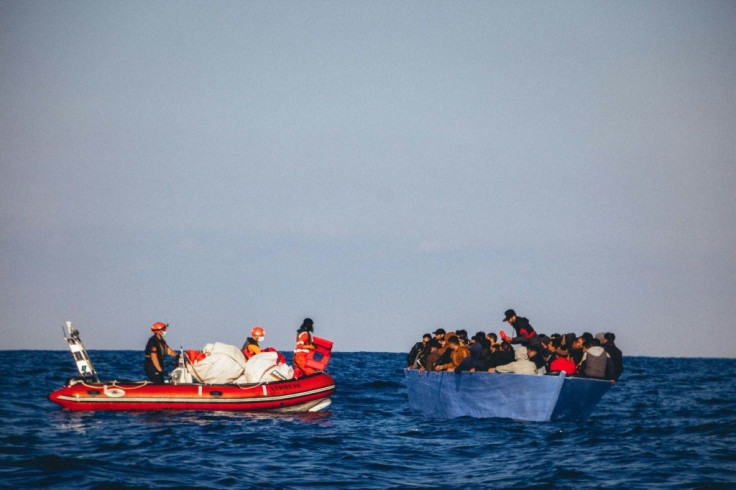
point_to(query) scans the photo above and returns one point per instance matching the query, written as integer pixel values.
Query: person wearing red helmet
(251, 346)
(156, 349)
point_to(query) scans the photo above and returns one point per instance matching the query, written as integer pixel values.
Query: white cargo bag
(265, 367)
(224, 364)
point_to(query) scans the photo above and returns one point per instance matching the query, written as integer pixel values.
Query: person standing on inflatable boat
(156, 349)
(303, 345)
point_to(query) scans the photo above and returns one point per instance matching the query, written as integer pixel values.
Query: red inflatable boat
(311, 393)
(86, 392)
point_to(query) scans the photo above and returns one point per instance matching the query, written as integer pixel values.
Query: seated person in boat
(156, 350)
(501, 353)
(549, 346)
(567, 340)
(534, 351)
(521, 364)
(562, 362)
(576, 350)
(418, 355)
(480, 355)
(458, 352)
(440, 336)
(614, 352)
(433, 356)
(444, 352)
(538, 353)
(252, 345)
(596, 362)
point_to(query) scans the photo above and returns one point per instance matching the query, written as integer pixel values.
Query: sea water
(668, 422)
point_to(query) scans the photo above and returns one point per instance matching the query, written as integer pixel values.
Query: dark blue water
(669, 422)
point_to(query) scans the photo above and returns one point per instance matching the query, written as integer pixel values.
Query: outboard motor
(180, 374)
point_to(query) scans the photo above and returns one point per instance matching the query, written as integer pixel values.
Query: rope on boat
(114, 383)
(244, 387)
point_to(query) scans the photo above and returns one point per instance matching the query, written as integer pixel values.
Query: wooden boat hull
(311, 393)
(515, 396)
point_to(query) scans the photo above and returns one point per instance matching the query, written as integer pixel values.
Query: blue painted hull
(515, 396)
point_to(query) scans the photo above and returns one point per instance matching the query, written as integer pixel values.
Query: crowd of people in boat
(527, 352)
(157, 349)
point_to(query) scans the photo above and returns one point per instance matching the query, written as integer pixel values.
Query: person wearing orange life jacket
(156, 350)
(251, 346)
(303, 346)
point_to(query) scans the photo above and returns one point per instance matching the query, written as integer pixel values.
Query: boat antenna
(79, 353)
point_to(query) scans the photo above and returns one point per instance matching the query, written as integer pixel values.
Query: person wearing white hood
(521, 365)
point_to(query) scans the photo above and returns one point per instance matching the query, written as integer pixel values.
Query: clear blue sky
(386, 168)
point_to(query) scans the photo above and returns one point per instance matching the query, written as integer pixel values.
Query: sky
(385, 168)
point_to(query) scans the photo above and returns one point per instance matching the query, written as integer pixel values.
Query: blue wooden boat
(446, 394)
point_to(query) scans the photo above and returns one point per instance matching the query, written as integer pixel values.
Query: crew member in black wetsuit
(156, 349)
(525, 334)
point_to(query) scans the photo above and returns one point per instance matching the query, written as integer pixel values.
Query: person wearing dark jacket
(458, 352)
(432, 357)
(480, 355)
(524, 331)
(596, 362)
(156, 351)
(418, 355)
(444, 351)
(576, 350)
(535, 355)
(501, 354)
(617, 357)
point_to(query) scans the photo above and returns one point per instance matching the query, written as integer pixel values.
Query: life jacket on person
(251, 348)
(303, 346)
(303, 342)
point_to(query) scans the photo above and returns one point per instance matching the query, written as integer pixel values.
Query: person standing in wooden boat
(156, 350)
(525, 333)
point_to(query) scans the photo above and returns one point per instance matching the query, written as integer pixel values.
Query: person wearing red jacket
(563, 362)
